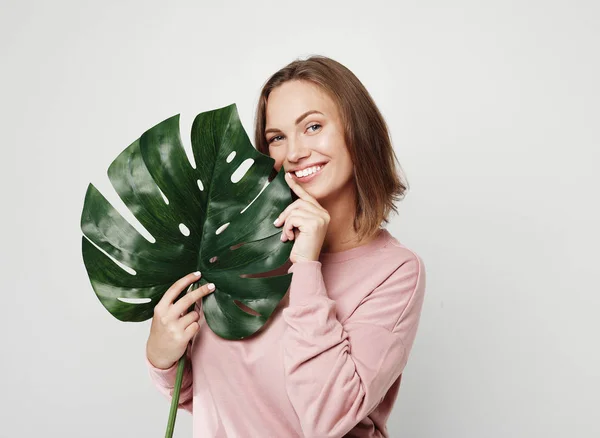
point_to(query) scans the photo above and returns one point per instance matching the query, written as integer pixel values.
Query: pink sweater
(329, 361)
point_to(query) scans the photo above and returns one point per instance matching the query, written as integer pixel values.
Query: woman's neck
(341, 235)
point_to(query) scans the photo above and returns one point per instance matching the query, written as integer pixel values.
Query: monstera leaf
(216, 218)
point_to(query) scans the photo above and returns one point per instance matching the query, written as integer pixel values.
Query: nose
(297, 150)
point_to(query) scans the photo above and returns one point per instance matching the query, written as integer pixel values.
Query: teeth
(309, 171)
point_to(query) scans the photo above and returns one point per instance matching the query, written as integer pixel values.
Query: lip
(318, 163)
(308, 178)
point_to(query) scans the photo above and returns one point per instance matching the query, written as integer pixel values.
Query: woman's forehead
(294, 98)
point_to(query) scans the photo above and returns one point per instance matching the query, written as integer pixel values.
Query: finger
(187, 302)
(297, 204)
(297, 219)
(187, 319)
(297, 188)
(281, 218)
(191, 330)
(190, 298)
(291, 221)
(175, 290)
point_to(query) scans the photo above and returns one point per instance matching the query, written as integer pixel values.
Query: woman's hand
(172, 326)
(305, 221)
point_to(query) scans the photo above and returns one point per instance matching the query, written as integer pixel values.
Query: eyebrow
(298, 120)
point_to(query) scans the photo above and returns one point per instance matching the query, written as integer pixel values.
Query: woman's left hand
(304, 221)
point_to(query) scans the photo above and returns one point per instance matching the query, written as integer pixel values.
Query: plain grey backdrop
(494, 110)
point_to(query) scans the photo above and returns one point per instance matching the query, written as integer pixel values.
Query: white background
(494, 110)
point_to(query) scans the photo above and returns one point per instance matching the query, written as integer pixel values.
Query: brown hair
(366, 135)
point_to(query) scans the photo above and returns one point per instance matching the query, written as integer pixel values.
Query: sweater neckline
(379, 241)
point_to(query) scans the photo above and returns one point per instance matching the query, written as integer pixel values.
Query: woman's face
(304, 130)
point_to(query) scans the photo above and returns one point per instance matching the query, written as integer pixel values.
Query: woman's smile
(309, 174)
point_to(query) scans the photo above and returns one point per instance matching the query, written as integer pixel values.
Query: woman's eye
(275, 138)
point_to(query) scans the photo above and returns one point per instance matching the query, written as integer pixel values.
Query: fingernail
(288, 175)
(211, 286)
(197, 273)
(276, 221)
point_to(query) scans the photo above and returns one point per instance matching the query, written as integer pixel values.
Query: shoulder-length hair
(378, 181)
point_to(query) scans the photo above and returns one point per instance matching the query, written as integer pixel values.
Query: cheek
(276, 155)
(273, 153)
(349, 163)
(340, 151)
(346, 167)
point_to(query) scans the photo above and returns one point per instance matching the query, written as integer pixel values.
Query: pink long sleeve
(336, 373)
(328, 363)
(164, 380)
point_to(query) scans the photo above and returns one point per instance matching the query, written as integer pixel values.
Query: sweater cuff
(165, 376)
(307, 283)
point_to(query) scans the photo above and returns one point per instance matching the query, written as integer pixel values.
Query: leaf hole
(242, 170)
(246, 308)
(117, 203)
(163, 196)
(262, 190)
(184, 230)
(200, 186)
(121, 265)
(134, 300)
(213, 259)
(234, 247)
(230, 157)
(185, 125)
(222, 228)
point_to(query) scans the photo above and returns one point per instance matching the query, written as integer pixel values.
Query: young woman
(330, 359)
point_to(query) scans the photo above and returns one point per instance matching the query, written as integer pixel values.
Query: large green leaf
(209, 218)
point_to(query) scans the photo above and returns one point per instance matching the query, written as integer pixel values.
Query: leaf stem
(178, 377)
(175, 399)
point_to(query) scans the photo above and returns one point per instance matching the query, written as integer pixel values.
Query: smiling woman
(316, 111)
(330, 361)
(312, 146)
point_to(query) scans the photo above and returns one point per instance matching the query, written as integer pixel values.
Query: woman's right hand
(172, 326)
